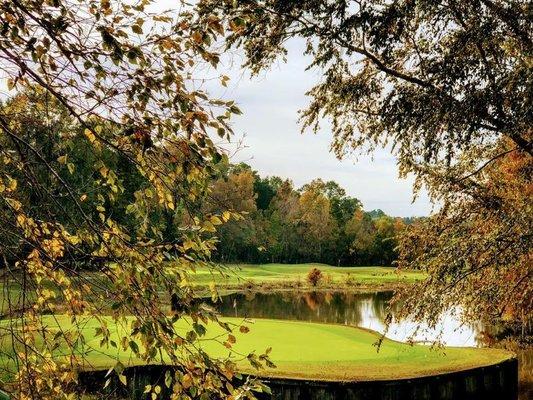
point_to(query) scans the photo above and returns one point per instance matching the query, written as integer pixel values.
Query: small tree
(314, 277)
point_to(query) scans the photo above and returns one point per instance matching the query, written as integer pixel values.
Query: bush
(349, 279)
(314, 276)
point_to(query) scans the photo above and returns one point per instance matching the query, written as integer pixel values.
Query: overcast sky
(273, 144)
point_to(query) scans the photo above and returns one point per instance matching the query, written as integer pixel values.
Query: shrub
(349, 279)
(314, 276)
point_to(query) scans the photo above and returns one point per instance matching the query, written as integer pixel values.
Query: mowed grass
(240, 276)
(303, 350)
(272, 274)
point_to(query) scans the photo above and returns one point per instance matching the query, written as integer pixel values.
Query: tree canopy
(447, 86)
(105, 139)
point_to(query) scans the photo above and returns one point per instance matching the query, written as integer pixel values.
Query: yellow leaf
(20, 219)
(74, 240)
(186, 382)
(14, 203)
(209, 227)
(123, 379)
(215, 220)
(89, 135)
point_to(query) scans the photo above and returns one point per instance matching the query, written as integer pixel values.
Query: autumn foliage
(314, 277)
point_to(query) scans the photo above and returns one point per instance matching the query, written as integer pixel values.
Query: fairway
(308, 351)
(291, 274)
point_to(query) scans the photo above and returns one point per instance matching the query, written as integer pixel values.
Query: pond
(366, 310)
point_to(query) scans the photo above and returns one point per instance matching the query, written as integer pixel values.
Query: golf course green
(300, 350)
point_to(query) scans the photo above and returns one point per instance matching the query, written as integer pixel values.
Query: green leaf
(119, 368)
(134, 346)
(168, 379)
(199, 329)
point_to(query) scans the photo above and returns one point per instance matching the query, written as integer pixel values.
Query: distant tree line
(267, 218)
(318, 222)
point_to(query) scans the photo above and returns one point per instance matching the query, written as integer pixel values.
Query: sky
(271, 140)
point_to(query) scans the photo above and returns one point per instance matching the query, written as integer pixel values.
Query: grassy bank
(294, 276)
(263, 276)
(305, 350)
(260, 277)
(336, 352)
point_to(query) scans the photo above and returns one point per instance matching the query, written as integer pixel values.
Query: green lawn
(310, 350)
(291, 274)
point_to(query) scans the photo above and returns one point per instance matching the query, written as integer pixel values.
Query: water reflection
(366, 310)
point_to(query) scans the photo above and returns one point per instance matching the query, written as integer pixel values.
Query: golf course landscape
(300, 350)
(266, 200)
(236, 277)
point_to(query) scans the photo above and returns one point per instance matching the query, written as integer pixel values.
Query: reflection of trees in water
(343, 308)
(311, 300)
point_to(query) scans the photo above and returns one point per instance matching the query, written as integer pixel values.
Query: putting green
(306, 351)
(336, 352)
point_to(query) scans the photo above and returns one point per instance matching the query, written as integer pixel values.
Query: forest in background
(318, 222)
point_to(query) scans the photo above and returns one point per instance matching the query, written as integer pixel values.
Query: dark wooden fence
(494, 382)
